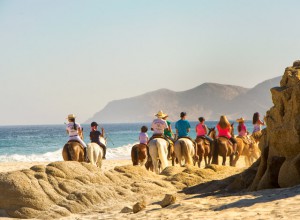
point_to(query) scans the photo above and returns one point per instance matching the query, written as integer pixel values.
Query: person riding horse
(74, 130)
(158, 126)
(183, 127)
(95, 136)
(225, 130)
(202, 130)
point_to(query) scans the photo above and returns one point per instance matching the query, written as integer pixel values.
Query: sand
(265, 204)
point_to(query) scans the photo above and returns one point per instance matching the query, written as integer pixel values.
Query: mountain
(209, 100)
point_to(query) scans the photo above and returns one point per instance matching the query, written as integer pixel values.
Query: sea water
(45, 142)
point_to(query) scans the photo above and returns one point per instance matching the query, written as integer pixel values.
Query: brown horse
(204, 149)
(139, 154)
(74, 151)
(224, 148)
(248, 147)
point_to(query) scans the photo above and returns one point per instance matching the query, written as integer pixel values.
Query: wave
(121, 153)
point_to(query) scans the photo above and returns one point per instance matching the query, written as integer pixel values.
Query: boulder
(280, 164)
(168, 200)
(139, 206)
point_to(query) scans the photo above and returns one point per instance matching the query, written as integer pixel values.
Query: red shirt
(224, 132)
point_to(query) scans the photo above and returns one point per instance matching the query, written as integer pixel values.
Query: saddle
(206, 142)
(193, 141)
(228, 141)
(246, 140)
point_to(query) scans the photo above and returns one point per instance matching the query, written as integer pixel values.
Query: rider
(202, 131)
(95, 136)
(257, 123)
(143, 136)
(242, 129)
(168, 132)
(74, 130)
(224, 130)
(158, 126)
(243, 132)
(183, 127)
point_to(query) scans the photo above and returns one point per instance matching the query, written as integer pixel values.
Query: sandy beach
(265, 204)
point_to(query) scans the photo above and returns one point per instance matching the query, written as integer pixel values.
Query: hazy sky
(59, 57)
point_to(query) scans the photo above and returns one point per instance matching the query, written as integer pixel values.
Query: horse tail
(135, 155)
(66, 153)
(185, 153)
(70, 151)
(215, 152)
(162, 155)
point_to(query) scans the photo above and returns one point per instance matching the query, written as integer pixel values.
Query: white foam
(123, 152)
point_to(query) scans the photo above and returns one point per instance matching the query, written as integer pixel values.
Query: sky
(61, 57)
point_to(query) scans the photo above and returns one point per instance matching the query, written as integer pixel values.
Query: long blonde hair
(224, 123)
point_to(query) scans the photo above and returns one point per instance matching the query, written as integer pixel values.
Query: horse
(204, 149)
(139, 154)
(224, 148)
(158, 150)
(184, 149)
(73, 150)
(95, 152)
(248, 148)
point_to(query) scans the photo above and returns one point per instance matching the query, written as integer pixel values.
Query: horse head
(212, 133)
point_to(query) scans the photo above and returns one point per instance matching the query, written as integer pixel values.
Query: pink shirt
(201, 129)
(143, 138)
(224, 132)
(243, 131)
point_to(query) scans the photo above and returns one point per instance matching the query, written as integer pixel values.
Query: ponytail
(75, 127)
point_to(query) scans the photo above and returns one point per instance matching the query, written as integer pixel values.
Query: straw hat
(240, 120)
(71, 116)
(160, 114)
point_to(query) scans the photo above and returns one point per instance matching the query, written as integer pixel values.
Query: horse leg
(99, 160)
(231, 160)
(224, 160)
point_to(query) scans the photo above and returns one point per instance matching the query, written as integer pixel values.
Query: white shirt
(71, 130)
(159, 125)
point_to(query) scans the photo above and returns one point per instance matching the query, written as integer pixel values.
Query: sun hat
(71, 116)
(94, 124)
(160, 114)
(240, 120)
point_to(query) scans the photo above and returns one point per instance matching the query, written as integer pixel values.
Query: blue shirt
(182, 126)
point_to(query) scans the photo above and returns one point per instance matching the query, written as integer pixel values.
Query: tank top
(243, 131)
(256, 127)
(201, 129)
(224, 132)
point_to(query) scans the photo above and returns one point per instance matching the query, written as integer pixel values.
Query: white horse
(184, 149)
(95, 152)
(158, 150)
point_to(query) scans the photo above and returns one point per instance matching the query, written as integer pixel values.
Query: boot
(104, 153)
(235, 153)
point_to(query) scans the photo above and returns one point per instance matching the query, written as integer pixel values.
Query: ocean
(45, 142)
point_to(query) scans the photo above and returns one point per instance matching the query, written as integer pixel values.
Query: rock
(67, 187)
(280, 165)
(168, 200)
(126, 210)
(296, 63)
(139, 206)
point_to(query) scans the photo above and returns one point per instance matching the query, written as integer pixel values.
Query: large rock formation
(280, 143)
(62, 188)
